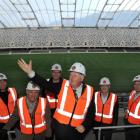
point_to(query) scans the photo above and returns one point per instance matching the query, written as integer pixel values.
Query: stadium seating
(69, 38)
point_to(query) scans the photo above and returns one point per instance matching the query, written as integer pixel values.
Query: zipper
(8, 108)
(102, 113)
(76, 104)
(104, 105)
(32, 126)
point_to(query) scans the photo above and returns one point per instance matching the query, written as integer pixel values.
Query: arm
(42, 82)
(27, 68)
(115, 113)
(13, 120)
(89, 120)
(48, 121)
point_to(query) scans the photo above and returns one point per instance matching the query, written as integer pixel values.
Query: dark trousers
(66, 132)
(52, 137)
(132, 134)
(105, 134)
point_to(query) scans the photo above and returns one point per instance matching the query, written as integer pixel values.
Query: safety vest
(7, 110)
(51, 98)
(104, 112)
(25, 119)
(69, 110)
(133, 111)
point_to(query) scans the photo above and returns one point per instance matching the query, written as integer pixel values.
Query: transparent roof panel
(69, 13)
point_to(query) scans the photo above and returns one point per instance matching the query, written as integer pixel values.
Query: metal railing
(121, 127)
(9, 134)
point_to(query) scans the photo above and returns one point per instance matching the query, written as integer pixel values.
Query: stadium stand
(69, 38)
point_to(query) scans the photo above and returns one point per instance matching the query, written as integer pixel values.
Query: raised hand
(26, 67)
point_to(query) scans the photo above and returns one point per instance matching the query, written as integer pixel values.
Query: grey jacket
(15, 118)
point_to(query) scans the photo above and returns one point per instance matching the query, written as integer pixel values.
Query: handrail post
(9, 136)
(99, 134)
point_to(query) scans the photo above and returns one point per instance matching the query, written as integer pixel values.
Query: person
(8, 98)
(69, 120)
(51, 86)
(34, 115)
(132, 116)
(106, 109)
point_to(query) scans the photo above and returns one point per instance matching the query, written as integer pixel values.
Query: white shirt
(136, 96)
(78, 90)
(104, 97)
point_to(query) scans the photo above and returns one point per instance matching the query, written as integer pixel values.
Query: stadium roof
(69, 13)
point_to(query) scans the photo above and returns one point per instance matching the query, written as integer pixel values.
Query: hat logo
(73, 67)
(104, 81)
(56, 67)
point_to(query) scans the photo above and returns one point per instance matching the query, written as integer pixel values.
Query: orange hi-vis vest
(7, 110)
(69, 110)
(52, 100)
(104, 112)
(25, 119)
(133, 111)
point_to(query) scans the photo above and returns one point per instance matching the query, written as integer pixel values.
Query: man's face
(56, 74)
(75, 79)
(105, 88)
(32, 95)
(137, 86)
(3, 84)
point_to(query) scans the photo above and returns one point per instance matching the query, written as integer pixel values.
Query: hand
(80, 128)
(27, 68)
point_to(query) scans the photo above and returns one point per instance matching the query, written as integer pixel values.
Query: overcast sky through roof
(77, 13)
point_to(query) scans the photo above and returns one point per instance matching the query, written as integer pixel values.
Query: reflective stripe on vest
(133, 111)
(6, 109)
(105, 117)
(52, 102)
(63, 113)
(26, 125)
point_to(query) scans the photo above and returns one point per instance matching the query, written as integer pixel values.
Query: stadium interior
(102, 34)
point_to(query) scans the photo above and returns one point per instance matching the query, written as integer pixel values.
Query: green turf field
(120, 68)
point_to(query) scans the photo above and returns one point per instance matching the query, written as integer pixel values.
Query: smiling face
(137, 86)
(3, 85)
(105, 89)
(75, 79)
(56, 74)
(32, 95)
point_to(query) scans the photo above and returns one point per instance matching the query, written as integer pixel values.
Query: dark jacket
(4, 97)
(56, 89)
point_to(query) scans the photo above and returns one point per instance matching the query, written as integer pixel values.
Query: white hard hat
(136, 78)
(56, 67)
(3, 76)
(78, 67)
(104, 81)
(32, 86)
